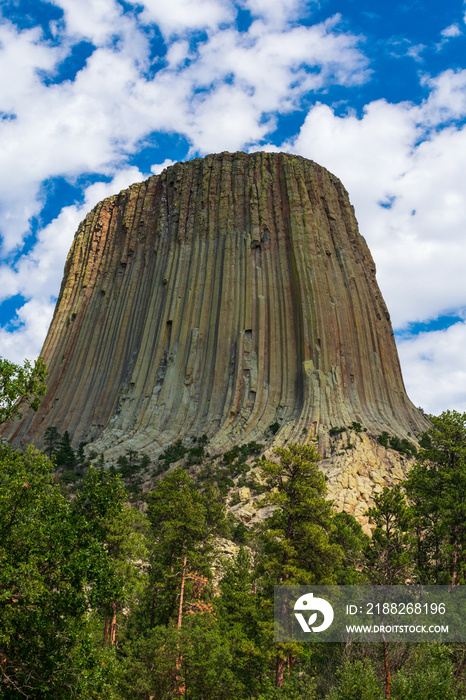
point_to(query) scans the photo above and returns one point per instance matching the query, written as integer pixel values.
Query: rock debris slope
(227, 294)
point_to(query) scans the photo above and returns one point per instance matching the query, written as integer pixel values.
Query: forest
(109, 591)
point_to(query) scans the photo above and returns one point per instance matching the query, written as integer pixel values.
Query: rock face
(225, 295)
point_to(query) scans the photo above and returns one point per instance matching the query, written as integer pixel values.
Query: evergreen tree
(131, 463)
(241, 620)
(356, 681)
(64, 455)
(436, 487)
(295, 538)
(348, 534)
(429, 675)
(388, 555)
(52, 439)
(183, 523)
(81, 460)
(177, 516)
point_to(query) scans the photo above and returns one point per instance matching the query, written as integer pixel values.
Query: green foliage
(336, 431)
(52, 439)
(20, 386)
(235, 466)
(240, 615)
(59, 449)
(295, 546)
(295, 538)
(197, 454)
(388, 556)
(240, 533)
(436, 486)
(70, 568)
(399, 444)
(64, 454)
(295, 687)
(354, 426)
(235, 499)
(129, 466)
(273, 428)
(183, 523)
(173, 453)
(348, 534)
(54, 565)
(357, 681)
(194, 662)
(239, 453)
(383, 439)
(428, 676)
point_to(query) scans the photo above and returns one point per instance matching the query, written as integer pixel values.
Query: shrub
(336, 431)
(428, 677)
(357, 681)
(173, 453)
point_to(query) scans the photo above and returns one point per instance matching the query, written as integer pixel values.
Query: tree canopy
(20, 386)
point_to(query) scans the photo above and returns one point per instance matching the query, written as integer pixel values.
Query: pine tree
(295, 538)
(240, 618)
(388, 556)
(436, 486)
(182, 529)
(64, 455)
(348, 534)
(52, 439)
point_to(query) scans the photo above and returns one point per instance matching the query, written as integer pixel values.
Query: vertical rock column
(224, 295)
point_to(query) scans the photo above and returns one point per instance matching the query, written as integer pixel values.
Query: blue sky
(97, 94)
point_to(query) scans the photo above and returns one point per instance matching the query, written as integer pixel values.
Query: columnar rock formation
(227, 294)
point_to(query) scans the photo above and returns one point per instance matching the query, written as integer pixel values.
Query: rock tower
(223, 296)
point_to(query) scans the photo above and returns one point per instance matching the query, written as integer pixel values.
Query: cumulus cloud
(27, 340)
(276, 11)
(157, 168)
(178, 16)
(95, 20)
(451, 31)
(434, 366)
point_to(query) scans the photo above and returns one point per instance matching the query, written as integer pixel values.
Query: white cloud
(451, 31)
(157, 168)
(94, 20)
(434, 365)
(178, 16)
(447, 99)
(22, 55)
(27, 340)
(276, 12)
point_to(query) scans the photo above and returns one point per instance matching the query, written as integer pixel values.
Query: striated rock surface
(225, 295)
